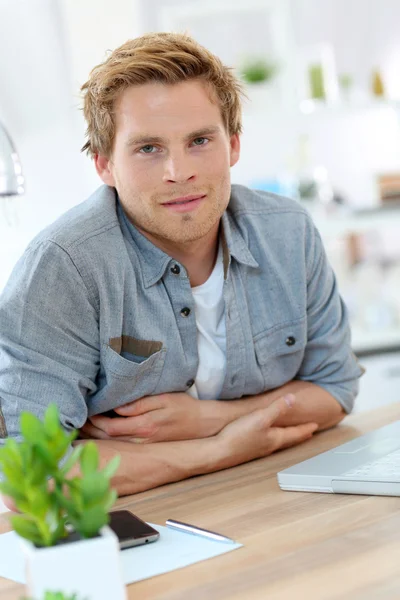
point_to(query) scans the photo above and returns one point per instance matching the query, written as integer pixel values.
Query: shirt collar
(154, 261)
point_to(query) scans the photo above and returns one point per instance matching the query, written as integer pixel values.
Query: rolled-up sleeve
(49, 340)
(329, 360)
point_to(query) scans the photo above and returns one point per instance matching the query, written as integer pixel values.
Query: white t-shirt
(211, 334)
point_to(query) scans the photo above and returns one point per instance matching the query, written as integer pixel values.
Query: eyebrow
(153, 139)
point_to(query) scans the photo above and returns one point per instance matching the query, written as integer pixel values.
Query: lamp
(12, 181)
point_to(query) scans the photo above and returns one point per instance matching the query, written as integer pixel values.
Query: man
(202, 317)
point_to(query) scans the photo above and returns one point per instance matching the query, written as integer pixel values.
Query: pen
(185, 527)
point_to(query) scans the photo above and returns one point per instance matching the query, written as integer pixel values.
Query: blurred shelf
(261, 103)
(343, 108)
(375, 341)
(336, 225)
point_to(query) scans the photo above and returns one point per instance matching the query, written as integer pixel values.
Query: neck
(198, 261)
(198, 256)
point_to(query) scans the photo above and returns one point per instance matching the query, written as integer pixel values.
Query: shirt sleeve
(49, 340)
(329, 360)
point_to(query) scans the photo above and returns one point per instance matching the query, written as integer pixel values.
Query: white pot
(90, 568)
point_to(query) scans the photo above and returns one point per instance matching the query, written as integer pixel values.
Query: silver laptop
(370, 464)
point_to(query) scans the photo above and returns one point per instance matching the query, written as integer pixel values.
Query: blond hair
(168, 58)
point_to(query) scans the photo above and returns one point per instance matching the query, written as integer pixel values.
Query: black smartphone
(130, 530)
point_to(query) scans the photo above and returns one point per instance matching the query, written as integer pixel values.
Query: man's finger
(291, 436)
(8, 503)
(140, 426)
(267, 416)
(140, 406)
(89, 431)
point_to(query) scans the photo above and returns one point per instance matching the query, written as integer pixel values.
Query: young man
(202, 316)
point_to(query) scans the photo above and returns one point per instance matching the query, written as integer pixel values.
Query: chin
(194, 232)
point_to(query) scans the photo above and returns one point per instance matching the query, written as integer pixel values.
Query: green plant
(345, 81)
(57, 596)
(257, 70)
(50, 499)
(317, 82)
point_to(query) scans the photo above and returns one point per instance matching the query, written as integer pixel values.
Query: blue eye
(200, 141)
(148, 149)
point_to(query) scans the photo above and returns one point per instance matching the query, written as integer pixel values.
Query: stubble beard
(181, 228)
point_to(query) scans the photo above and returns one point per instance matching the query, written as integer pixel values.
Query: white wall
(47, 48)
(93, 27)
(354, 146)
(40, 113)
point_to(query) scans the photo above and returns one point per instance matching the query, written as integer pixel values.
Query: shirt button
(185, 312)
(175, 269)
(290, 341)
(190, 383)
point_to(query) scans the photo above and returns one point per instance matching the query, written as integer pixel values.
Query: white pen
(185, 527)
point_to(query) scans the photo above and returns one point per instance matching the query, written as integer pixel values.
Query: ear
(104, 169)
(235, 149)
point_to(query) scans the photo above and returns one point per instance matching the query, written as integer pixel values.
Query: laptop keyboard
(387, 466)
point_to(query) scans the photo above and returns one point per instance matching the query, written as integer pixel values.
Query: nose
(179, 168)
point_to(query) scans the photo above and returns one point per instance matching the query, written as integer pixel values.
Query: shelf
(375, 340)
(261, 101)
(311, 107)
(339, 225)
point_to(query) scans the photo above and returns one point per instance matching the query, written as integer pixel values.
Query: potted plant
(258, 70)
(58, 596)
(63, 522)
(258, 74)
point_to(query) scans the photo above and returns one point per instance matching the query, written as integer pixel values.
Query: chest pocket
(280, 353)
(130, 369)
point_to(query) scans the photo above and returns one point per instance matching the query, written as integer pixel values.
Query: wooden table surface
(296, 545)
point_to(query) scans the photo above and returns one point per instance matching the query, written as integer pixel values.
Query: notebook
(369, 464)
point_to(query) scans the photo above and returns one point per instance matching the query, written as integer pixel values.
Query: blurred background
(321, 125)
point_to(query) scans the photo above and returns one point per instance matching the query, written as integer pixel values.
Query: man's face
(171, 161)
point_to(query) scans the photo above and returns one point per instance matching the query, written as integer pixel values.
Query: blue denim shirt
(94, 315)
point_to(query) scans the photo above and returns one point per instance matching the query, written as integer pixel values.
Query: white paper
(172, 551)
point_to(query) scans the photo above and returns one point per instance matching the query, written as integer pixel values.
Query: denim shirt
(94, 315)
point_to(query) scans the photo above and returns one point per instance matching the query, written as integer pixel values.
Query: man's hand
(145, 466)
(8, 503)
(254, 435)
(178, 416)
(160, 418)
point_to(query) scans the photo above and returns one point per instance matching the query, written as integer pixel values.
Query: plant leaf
(31, 427)
(51, 422)
(93, 487)
(27, 529)
(91, 521)
(8, 489)
(72, 459)
(89, 460)
(46, 457)
(110, 500)
(112, 466)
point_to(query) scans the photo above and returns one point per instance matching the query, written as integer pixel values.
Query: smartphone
(130, 530)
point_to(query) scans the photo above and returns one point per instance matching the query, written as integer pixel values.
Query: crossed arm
(195, 437)
(145, 466)
(170, 437)
(178, 416)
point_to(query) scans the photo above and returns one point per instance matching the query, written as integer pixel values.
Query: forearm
(147, 466)
(313, 405)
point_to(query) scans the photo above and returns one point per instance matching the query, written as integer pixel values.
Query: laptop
(369, 464)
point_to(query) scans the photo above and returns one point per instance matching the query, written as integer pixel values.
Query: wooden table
(296, 545)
